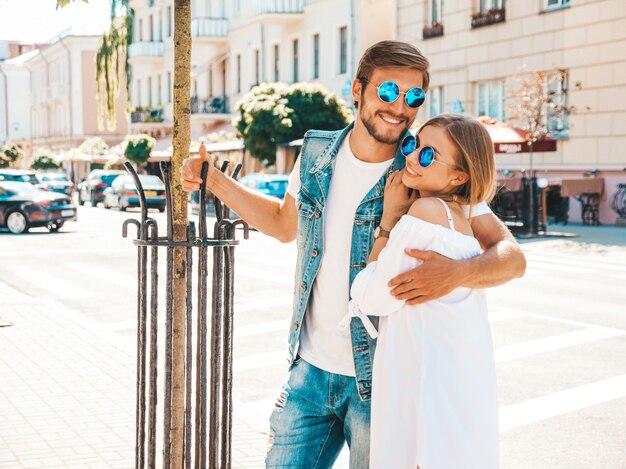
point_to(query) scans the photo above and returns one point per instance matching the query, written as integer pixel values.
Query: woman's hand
(397, 200)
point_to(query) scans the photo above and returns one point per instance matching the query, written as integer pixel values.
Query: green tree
(274, 113)
(138, 147)
(10, 154)
(44, 162)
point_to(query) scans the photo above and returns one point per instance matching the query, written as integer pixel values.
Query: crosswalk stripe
(53, 284)
(549, 344)
(260, 360)
(106, 275)
(562, 402)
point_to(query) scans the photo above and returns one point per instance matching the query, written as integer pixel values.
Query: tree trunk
(181, 140)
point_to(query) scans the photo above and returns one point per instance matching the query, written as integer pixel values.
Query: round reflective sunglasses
(426, 155)
(389, 91)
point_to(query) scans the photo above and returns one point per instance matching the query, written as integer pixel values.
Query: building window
(160, 26)
(169, 87)
(316, 56)
(238, 62)
(490, 99)
(159, 90)
(150, 91)
(276, 62)
(555, 4)
(151, 28)
(140, 31)
(169, 21)
(211, 81)
(434, 11)
(485, 5)
(138, 100)
(343, 50)
(436, 102)
(237, 7)
(257, 66)
(295, 60)
(557, 115)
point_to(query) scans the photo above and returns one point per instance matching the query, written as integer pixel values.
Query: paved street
(559, 333)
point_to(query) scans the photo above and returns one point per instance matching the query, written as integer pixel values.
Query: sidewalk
(67, 392)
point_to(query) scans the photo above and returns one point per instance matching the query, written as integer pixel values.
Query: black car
(56, 182)
(123, 194)
(92, 188)
(23, 206)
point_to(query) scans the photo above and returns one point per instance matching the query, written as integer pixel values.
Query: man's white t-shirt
(322, 343)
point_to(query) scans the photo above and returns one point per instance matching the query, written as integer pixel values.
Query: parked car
(19, 175)
(92, 188)
(56, 182)
(123, 193)
(270, 184)
(23, 206)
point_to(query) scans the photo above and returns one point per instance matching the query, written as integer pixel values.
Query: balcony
(145, 50)
(146, 114)
(209, 28)
(485, 18)
(286, 10)
(434, 30)
(209, 106)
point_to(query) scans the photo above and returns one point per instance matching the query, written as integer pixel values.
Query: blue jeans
(315, 413)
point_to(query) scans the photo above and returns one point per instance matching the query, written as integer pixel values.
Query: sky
(38, 21)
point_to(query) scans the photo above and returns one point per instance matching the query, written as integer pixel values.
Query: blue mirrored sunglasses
(389, 91)
(426, 155)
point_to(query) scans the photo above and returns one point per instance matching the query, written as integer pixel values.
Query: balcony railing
(434, 30)
(145, 49)
(209, 27)
(485, 18)
(261, 7)
(146, 114)
(209, 106)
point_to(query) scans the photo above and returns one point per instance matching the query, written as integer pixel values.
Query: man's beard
(369, 124)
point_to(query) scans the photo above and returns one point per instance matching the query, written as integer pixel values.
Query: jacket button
(303, 286)
(296, 324)
(314, 252)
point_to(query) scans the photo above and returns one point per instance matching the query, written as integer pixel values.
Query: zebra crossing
(263, 302)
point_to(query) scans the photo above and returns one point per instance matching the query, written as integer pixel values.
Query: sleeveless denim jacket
(318, 156)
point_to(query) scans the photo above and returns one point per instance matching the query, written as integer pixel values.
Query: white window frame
(339, 50)
(439, 107)
(486, 93)
(315, 73)
(560, 128)
(556, 5)
(432, 6)
(485, 5)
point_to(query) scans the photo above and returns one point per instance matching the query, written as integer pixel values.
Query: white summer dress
(434, 397)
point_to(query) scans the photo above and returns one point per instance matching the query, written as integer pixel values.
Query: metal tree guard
(218, 429)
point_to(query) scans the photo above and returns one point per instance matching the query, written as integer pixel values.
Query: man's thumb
(203, 153)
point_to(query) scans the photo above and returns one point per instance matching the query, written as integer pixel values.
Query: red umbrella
(509, 139)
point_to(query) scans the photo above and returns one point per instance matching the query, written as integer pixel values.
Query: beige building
(238, 44)
(63, 95)
(478, 47)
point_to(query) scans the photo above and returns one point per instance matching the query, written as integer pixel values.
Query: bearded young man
(333, 207)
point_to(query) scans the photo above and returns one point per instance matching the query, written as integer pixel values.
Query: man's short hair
(392, 54)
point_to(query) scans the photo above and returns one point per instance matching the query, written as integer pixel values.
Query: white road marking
(260, 360)
(284, 301)
(499, 315)
(106, 275)
(542, 265)
(556, 342)
(262, 328)
(562, 402)
(53, 284)
(264, 275)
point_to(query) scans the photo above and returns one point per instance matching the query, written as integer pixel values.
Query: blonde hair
(475, 156)
(392, 54)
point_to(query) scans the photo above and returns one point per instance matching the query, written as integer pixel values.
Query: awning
(205, 66)
(511, 140)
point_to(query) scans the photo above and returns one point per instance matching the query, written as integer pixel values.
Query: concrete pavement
(67, 392)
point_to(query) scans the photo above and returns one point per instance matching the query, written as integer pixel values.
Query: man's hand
(435, 277)
(191, 169)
